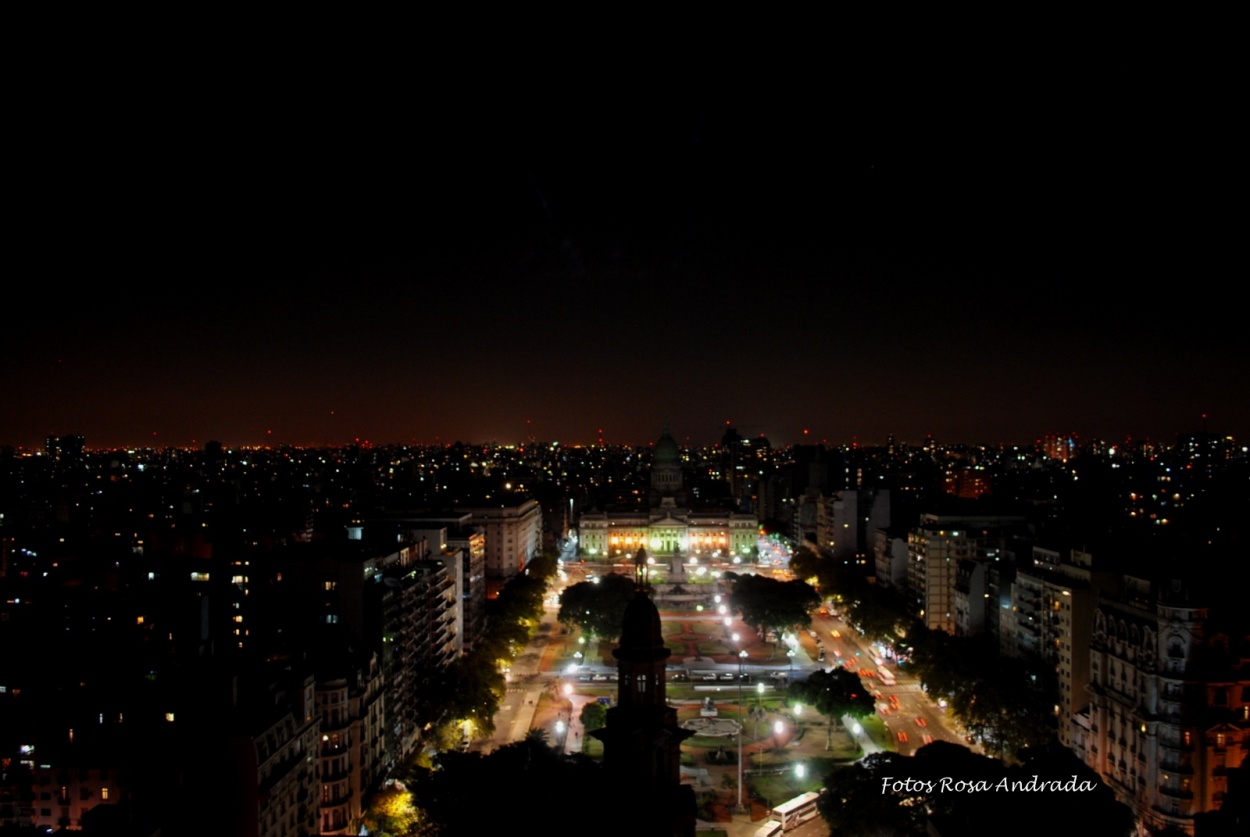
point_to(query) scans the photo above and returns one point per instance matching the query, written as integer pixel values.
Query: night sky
(421, 251)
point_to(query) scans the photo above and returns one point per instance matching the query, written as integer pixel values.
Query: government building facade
(668, 527)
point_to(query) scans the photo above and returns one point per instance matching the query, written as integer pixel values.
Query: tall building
(934, 550)
(274, 750)
(1169, 703)
(846, 521)
(456, 540)
(390, 598)
(1052, 616)
(513, 531)
(889, 550)
(352, 755)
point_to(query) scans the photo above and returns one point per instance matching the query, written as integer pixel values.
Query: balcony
(335, 772)
(329, 725)
(1176, 767)
(1179, 746)
(1175, 793)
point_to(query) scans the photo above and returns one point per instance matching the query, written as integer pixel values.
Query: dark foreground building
(642, 742)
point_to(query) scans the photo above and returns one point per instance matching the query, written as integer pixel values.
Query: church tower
(642, 742)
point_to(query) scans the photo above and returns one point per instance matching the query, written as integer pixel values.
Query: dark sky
(421, 251)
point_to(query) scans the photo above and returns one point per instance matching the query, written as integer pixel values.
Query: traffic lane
(914, 703)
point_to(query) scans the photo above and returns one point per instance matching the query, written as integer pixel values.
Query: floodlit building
(934, 550)
(667, 527)
(513, 532)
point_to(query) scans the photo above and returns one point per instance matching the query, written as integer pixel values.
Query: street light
(742, 655)
(567, 689)
(757, 714)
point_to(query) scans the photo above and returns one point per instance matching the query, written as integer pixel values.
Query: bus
(797, 811)
(771, 828)
(887, 679)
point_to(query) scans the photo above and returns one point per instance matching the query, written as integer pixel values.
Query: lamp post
(742, 655)
(568, 695)
(757, 714)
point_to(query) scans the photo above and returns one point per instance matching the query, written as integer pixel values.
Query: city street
(543, 695)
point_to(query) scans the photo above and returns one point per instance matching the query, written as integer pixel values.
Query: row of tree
(470, 689)
(597, 607)
(473, 685)
(1006, 703)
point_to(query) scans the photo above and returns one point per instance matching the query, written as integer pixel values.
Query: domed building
(669, 526)
(666, 482)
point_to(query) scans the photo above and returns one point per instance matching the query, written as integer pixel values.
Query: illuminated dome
(665, 452)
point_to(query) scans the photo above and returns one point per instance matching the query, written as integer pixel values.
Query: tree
(471, 793)
(833, 694)
(855, 805)
(598, 608)
(772, 605)
(470, 688)
(391, 812)
(474, 686)
(1004, 702)
(807, 564)
(594, 716)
